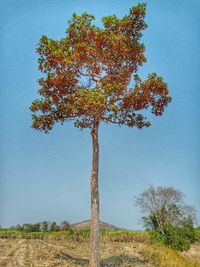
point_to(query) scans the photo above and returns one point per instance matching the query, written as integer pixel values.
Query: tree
(164, 206)
(18, 227)
(91, 77)
(171, 220)
(35, 227)
(54, 227)
(65, 225)
(27, 227)
(44, 226)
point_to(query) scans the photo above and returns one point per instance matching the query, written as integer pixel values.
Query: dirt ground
(49, 253)
(41, 253)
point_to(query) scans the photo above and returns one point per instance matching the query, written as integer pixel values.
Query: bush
(188, 230)
(176, 237)
(197, 234)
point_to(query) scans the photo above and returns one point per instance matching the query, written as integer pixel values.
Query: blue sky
(46, 177)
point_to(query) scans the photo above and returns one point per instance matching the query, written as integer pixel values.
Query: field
(117, 249)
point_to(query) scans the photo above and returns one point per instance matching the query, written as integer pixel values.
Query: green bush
(197, 234)
(178, 238)
(156, 236)
(189, 230)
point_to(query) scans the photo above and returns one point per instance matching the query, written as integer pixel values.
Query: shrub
(197, 234)
(176, 237)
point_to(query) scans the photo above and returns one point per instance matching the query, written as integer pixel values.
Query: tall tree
(90, 77)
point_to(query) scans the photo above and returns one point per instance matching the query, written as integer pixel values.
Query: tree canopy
(92, 74)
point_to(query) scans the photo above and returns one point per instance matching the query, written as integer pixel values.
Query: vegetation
(170, 220)
(44, 226)
(56, 249)
(118, 248)
(197, 233)
(78, 235)
(76, 254)
(160, 256)
(90, 77)
(84, 234)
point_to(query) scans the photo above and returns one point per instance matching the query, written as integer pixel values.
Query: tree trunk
(94, 230)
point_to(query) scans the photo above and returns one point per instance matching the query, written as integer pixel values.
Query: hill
(86, 225)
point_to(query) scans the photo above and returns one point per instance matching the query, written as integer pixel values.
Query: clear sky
(46, 177)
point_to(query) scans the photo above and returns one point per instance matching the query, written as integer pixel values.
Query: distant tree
(54, 227)
(35, 227)
(27, 227)
(18, 227)
(167, 214)
(44, 226)
(91, 77)
(65, 225)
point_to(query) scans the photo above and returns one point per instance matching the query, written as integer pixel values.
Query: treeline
(44, 226)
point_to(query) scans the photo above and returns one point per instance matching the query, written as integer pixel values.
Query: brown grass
(41, 253)
(160, 256)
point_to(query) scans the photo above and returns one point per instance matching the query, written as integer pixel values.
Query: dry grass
(48, 252)
(161, 256)
(192, 255)
(41, 253)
